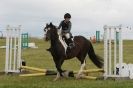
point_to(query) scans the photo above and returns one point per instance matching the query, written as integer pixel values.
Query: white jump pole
(120, 51)
(13, 49)
(110, 52)
(115, 50)
(19, 48)
(105, 52)
(7, 50)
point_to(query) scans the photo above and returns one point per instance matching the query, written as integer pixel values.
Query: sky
(87, 15)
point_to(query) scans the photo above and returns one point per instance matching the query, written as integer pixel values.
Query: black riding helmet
(67, 15)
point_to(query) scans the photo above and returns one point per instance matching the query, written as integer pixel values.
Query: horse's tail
(94, 58)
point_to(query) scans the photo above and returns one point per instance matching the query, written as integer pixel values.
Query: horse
(80, 50)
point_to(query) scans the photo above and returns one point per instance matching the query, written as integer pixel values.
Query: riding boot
(70, 43)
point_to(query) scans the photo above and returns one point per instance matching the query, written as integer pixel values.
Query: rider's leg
(69, 40)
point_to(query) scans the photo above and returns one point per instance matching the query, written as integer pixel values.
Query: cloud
(87, 15)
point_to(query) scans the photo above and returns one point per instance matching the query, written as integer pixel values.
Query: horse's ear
(51, 24)
(46, 24)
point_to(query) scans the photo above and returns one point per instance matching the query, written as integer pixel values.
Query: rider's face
(67, 19)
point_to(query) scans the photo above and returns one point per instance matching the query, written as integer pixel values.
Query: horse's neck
(56, 42)
(54, 39)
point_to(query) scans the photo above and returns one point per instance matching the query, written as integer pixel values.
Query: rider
(65, 26)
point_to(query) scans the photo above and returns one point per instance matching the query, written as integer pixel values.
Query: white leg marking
(81, 69)
(57, 76)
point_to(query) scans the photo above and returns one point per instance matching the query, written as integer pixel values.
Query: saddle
(65, 43)
(69, 42)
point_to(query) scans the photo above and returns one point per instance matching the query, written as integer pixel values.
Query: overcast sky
(87, 15)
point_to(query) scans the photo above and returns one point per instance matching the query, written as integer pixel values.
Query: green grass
(41, 58)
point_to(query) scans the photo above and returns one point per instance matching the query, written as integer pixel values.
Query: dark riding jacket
(66, 26)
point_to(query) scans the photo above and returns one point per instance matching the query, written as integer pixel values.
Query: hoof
(57, 78)
(79, 76)
(65, 74)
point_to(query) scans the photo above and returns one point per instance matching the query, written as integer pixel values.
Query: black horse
(81, 49)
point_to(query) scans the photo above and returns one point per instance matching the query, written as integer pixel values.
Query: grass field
(41, 58)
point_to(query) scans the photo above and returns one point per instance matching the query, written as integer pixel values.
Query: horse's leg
(59, 70)
(83, 63)
(81, 57)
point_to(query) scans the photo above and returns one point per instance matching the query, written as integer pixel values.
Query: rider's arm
(69, 26)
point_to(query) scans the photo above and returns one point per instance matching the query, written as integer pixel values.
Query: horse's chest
(57, 53)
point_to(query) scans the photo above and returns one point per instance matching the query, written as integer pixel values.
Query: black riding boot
(70, 44)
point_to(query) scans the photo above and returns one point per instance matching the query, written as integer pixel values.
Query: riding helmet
(67, 15)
